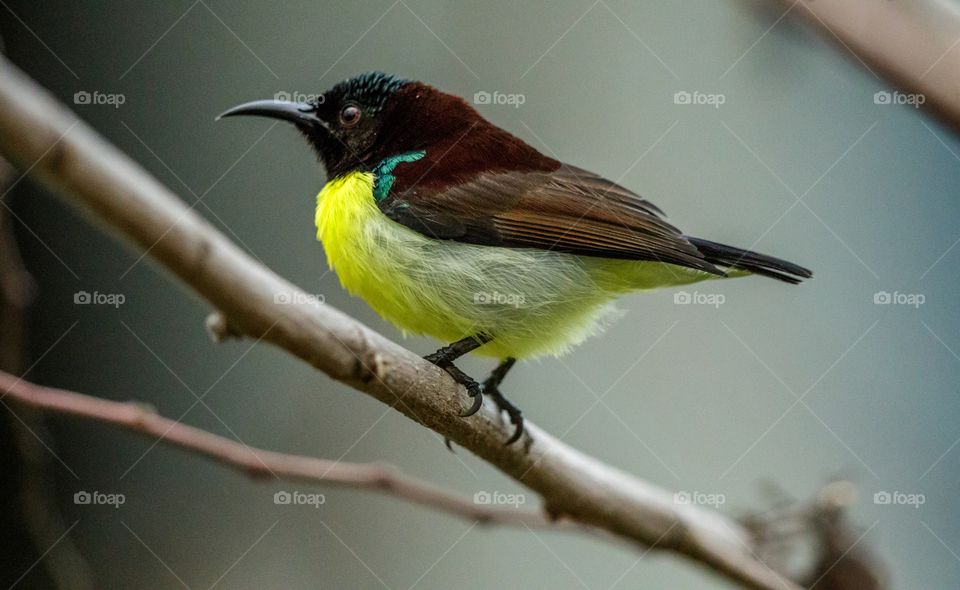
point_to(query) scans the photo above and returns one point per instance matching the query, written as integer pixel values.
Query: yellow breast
(418, 284)
(344, 207)
(376, 258)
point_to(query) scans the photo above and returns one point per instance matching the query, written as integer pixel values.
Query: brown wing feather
(567, 210)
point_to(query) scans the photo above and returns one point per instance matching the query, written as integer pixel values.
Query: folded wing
(566, 210)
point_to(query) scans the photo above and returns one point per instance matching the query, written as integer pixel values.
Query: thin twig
(262, 464)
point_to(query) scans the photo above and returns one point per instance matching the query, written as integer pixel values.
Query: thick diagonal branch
(65, 155)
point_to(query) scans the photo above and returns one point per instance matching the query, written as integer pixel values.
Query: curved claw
(477, 402)
(516, 417)
(449, 444)
(518, 420)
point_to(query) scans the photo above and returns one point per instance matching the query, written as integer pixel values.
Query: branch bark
(68, 157)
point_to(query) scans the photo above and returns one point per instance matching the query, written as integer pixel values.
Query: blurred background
(779, 142)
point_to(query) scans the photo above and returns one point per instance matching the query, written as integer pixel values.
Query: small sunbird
(449, 226)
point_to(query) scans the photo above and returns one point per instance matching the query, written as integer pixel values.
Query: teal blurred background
(693, 397)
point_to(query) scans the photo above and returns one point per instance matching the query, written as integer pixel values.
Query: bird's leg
(491, 387)
(444, 358)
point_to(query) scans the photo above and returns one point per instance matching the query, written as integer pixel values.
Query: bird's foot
(440, 359)
(444, 358)
(491, 388)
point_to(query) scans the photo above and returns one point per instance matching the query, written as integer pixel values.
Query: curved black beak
(299, 113)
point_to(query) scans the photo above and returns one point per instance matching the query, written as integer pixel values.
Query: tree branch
(68, 157)
(259, 463)
(914, 44)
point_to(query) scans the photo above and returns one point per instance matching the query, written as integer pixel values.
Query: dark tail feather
(760, 264)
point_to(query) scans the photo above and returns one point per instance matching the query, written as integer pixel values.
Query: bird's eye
(350, 115)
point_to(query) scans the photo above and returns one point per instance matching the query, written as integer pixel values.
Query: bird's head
(367, 118)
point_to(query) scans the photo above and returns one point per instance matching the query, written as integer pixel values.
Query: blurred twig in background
(915, 44)
(25, 459)
(818, 528)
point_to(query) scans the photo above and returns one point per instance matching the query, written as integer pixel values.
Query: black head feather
(372, 89)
